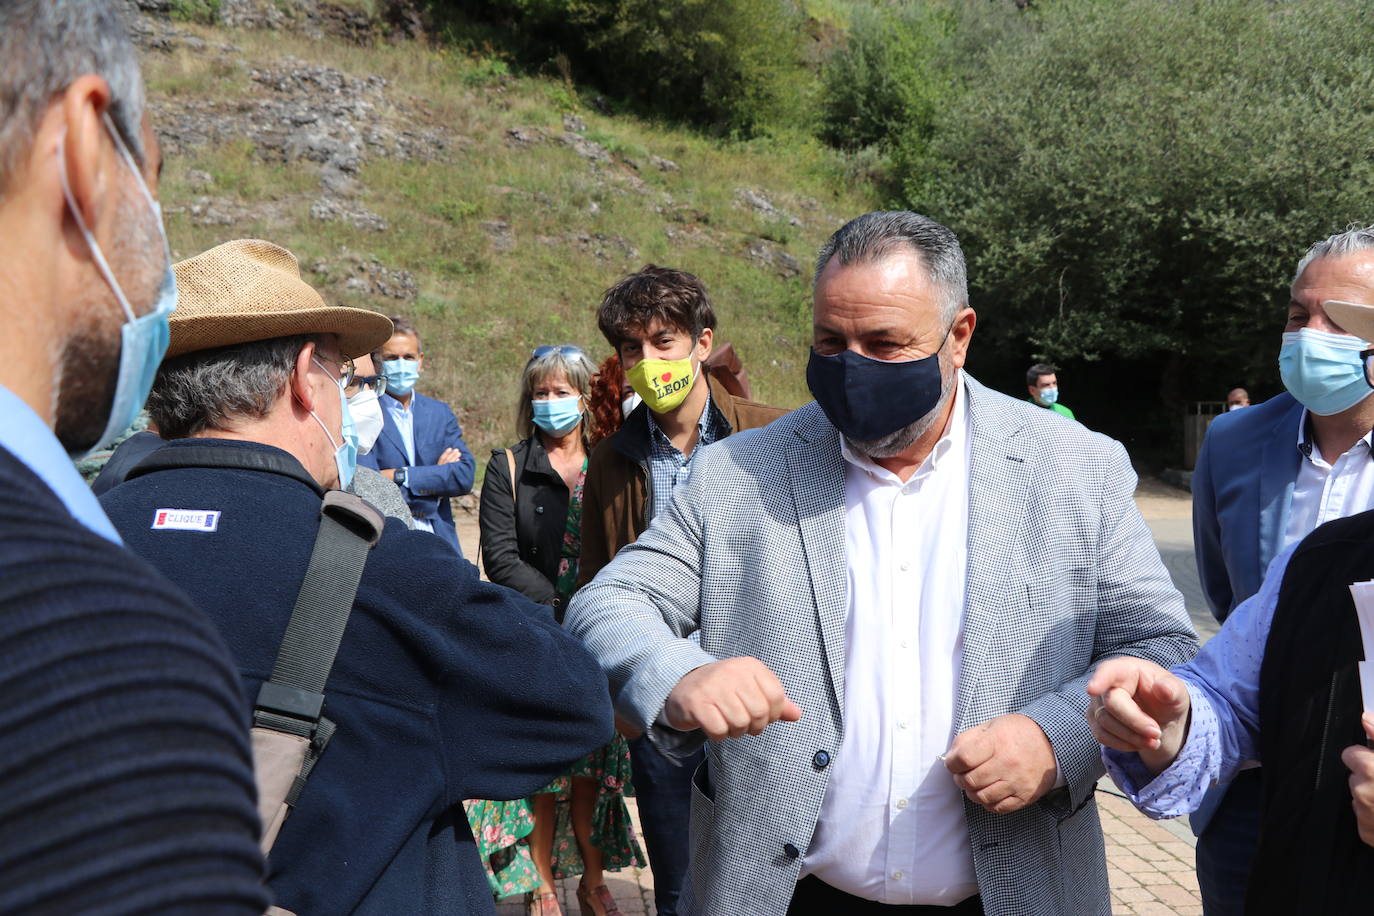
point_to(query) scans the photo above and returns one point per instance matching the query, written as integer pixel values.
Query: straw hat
(1353, 317)
(248, 290)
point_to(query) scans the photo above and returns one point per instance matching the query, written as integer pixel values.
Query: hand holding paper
(1360, 761)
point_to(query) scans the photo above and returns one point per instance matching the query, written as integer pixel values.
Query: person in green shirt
(1043, 385)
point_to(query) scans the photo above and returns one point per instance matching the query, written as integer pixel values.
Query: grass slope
(487, 296)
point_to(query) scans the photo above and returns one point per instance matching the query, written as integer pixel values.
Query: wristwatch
(399, 476)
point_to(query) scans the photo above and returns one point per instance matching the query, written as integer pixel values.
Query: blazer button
(821, 760)
(538, 510)
(790, 851)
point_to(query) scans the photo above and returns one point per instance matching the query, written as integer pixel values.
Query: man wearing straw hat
(444, 687)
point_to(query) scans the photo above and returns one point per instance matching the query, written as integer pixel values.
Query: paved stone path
(1149, 864)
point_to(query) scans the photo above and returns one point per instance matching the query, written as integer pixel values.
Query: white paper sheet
(1363, 594)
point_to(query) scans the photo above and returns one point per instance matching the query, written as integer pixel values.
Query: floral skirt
(501, 828)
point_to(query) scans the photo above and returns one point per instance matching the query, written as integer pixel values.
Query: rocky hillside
(493, 208)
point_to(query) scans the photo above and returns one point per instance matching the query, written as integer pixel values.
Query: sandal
(543, 903)
(596, 901)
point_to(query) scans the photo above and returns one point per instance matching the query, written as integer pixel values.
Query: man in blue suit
(1267, 476)
(421, 447)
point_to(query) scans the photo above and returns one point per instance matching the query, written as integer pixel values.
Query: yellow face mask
(662, 383)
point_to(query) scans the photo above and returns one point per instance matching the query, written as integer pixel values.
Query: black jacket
(445, 687)
(1310, 857)
(522, 539)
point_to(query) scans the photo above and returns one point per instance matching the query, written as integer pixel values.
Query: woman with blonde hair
(531, 521)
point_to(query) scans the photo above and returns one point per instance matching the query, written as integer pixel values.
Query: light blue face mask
(346, 452)
(1049, 396)
(558, 416)
(401, 376)
(143, 339)
(1323, 370)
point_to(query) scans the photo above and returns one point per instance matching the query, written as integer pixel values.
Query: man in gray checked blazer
(898, 592)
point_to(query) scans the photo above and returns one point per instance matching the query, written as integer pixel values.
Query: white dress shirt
(892, 823)
(1324, 490)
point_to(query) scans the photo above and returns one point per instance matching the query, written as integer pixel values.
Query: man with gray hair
(898, 592)
(1266, 477)
(128, 785)
(444, 688)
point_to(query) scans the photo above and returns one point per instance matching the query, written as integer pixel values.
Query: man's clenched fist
(729, 698)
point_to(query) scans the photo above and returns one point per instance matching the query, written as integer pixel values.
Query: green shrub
(203, 11)
(733, 65)
(886, 81)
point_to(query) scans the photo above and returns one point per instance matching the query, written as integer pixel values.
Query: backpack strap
(291, 701)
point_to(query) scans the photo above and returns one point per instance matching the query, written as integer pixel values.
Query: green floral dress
(502, 828)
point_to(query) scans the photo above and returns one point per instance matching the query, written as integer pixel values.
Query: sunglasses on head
(541, 352)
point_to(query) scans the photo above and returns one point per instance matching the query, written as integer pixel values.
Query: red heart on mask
(667, 376)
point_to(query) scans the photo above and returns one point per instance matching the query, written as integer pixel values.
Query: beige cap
(1354, 318)
(248, 290)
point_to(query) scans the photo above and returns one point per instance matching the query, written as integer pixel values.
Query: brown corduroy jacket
(615, 497)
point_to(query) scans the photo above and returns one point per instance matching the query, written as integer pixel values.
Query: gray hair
(1354, 238)
(876, 235)
(45, 45)
(209, 389)
(575, 367)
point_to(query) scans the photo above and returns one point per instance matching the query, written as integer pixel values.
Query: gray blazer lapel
(999, 481)
(817, 480)
(1278, 472)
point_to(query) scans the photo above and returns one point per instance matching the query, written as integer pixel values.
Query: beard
(893, 444)
(90, 356)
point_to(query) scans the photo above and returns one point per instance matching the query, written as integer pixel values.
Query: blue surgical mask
(1049, 396)
(558, 416)
(867, 399)
(401, 376)
(346, 452)
(1323, 370)
(143, 338)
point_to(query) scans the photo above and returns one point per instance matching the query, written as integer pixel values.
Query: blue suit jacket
(1242, 488)
(428, 483)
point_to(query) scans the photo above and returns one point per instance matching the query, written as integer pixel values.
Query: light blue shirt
(404, 418)
(1224, 690)
(24, 434)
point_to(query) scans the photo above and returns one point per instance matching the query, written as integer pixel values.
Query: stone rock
(587, 149)
(500, 234)
(309, 113)
(602, 247)
(367, 276)
(251, 14)
(524, 136)
(601, 104)
(664, 165)
(573, 123)
(198, 180)
(773, 257)
(337, 183)
(328, 209)
(760, 204)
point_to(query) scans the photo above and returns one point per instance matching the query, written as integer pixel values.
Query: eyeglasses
(541, 352)
(347, 373)
(1368, 366)
(363, 382)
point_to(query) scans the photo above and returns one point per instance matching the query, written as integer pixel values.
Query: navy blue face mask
(867, 399)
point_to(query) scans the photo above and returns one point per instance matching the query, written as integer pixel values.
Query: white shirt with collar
(892, 823)
(1325, 490)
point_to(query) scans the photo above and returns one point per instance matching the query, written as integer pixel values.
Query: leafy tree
(734, 65)
(885, 83)
(1134, 181)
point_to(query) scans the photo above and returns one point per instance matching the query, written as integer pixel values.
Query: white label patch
(186, 519)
